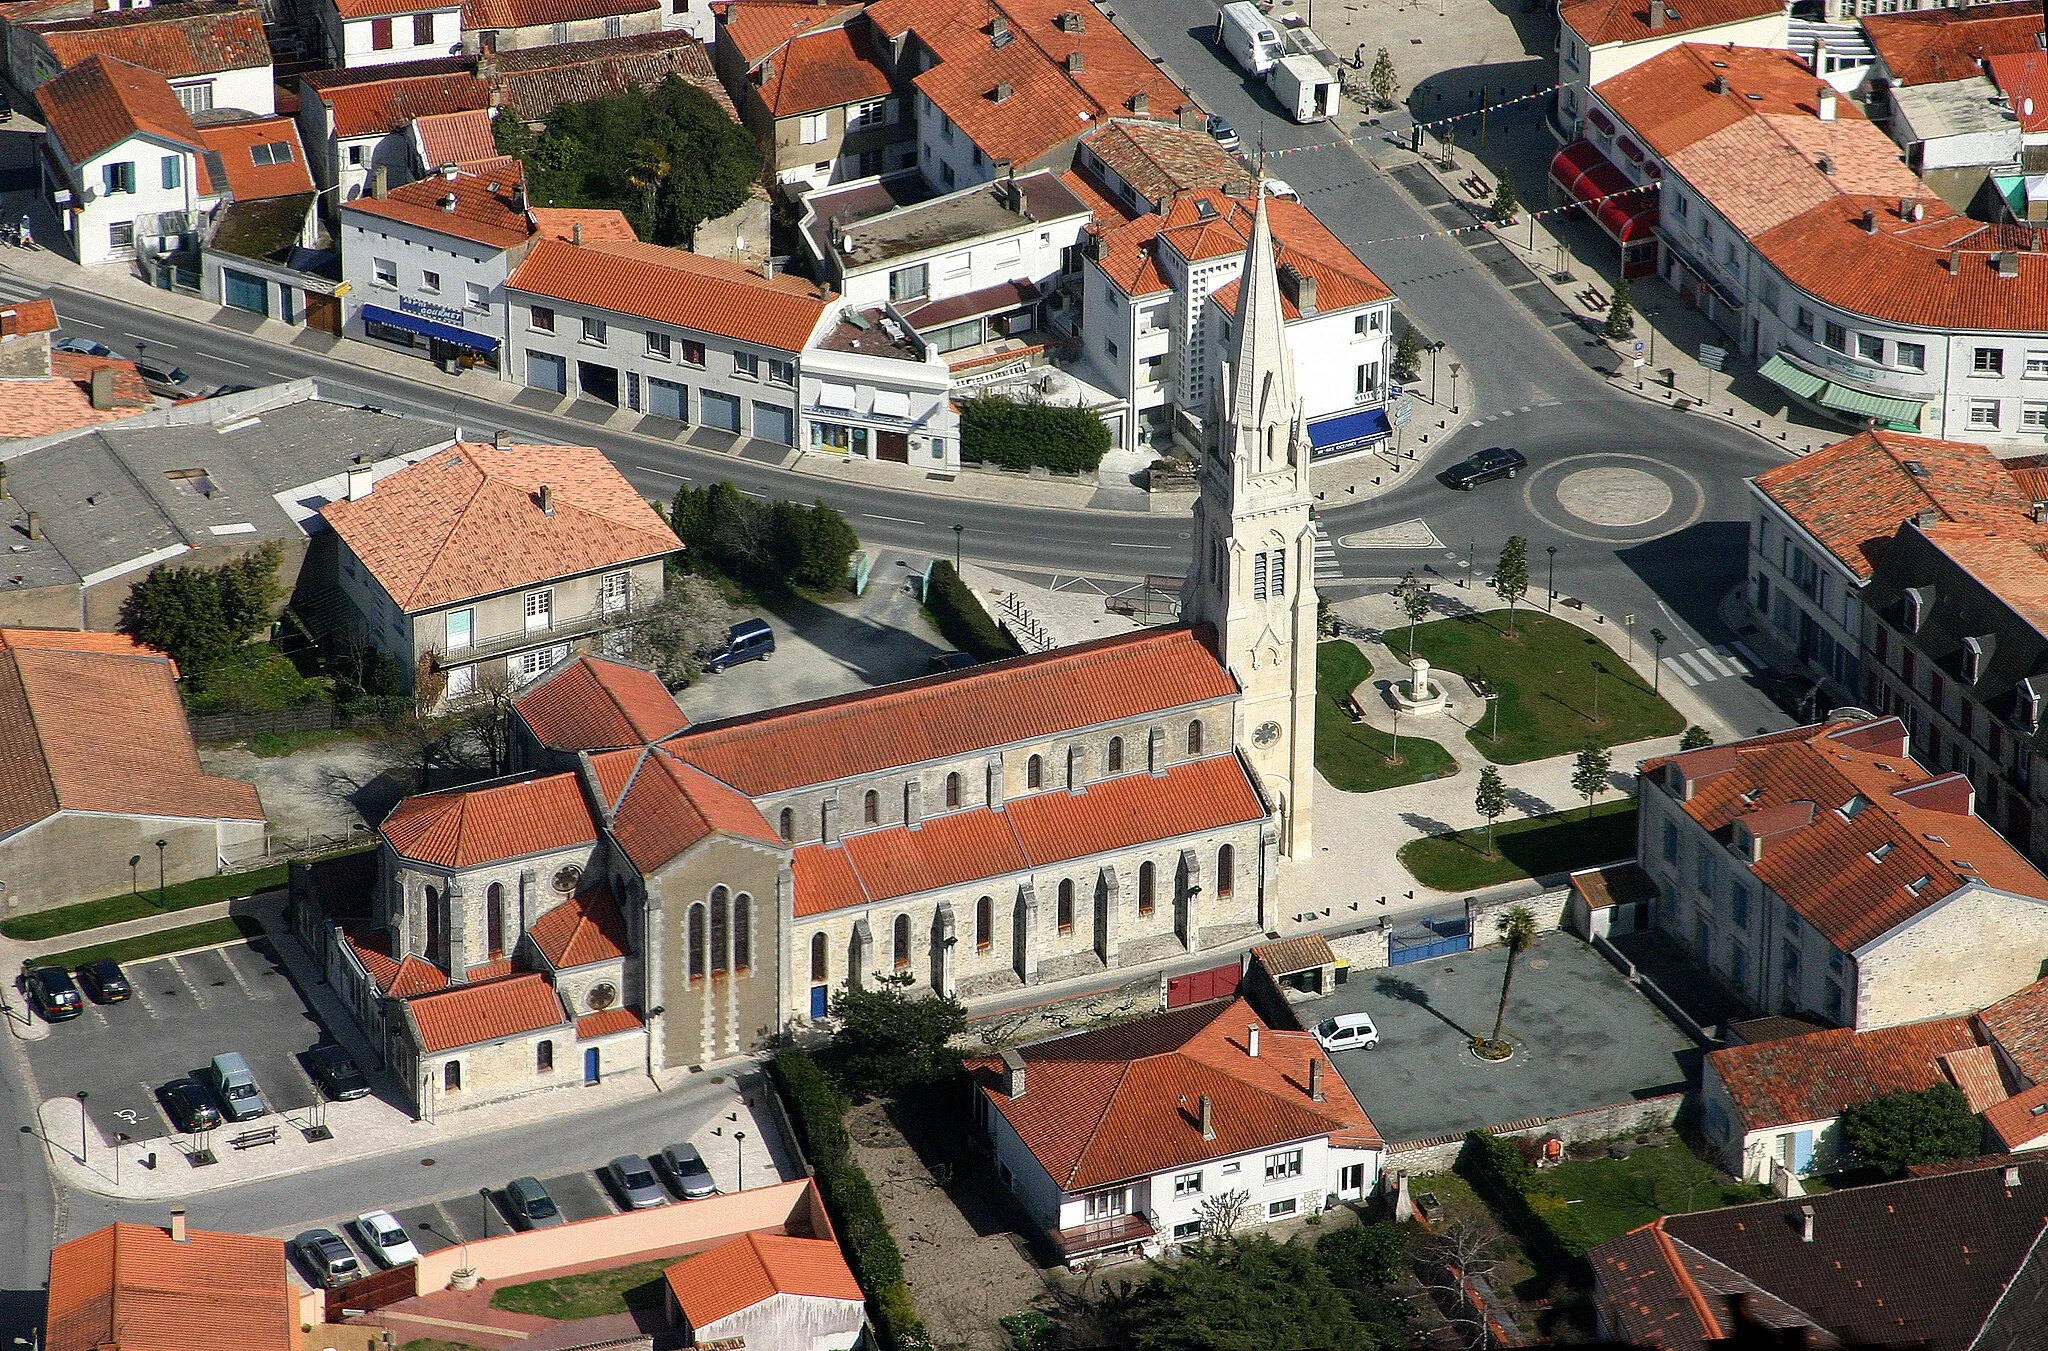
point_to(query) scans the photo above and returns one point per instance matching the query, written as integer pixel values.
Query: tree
(768, 546)
(1695, 737)
(689, 617)
(1517, 928)
(1413, 598)
(1894, 1131)
(1382, 82)
(201, 615)
(1368, 1262)
(1589, 773)
(1506, 205)
(1456, 1258)
(1224, 1212)
(825, 549)
(1621, 314)
(1407, 354)
(647, 169)
(1249, 1294)
(1511, 575)
(485, 716)
(888, 1040)
(419, 733)
(1491, 801)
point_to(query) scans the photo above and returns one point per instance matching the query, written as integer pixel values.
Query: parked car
(52, 993)
(229, 389)
(530, 1204)
(1347, 1032)
(162, 378)
(385, 1239)
(1279, 187)
(190, 1106)
(84, 347)
(105, 981)
(328, 1257)
(338, 1076)
(1222, 132)
(234, 1083)
(686, 1166)
(1484, 466)
(749, 640)
(635, 1183)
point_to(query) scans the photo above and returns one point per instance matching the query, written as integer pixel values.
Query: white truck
(1249, 36)
(1306, 88)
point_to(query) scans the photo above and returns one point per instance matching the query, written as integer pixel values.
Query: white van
(1347, 1032)
(1250, 38)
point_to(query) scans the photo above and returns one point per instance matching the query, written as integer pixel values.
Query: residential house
(2015, 1036)
(465, 140)
(212, 51)
(47, 392)
(137, 1285)
(655, 330)
(1823, 871)
(263, 250)
(1599, 39)
(869, 387)
(808, 84)
(385, 32)
(355, 122)
(529, 81)
(103, 772)
(1144, 167)
(1918, 45)
(773, 1292)
(506, 25)
(1955, 1258)
(538, 548)
(1126, 1139)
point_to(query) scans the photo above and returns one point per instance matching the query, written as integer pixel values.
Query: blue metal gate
(1436, 937)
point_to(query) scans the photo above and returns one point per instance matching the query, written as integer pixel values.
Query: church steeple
(1252, 576)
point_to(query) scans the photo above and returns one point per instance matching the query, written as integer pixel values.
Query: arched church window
(984, 923)
(1194, 738)
(952, 790)
(695, 940)
(1258, 576)
(1034, 773)
(720, 926)
(1116, 755)
(820, 962)
(786, 826)
(902, 942)
(871, 808)
(1279, 573)
(742, 917)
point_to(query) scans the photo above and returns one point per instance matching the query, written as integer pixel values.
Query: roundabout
(1613, 497)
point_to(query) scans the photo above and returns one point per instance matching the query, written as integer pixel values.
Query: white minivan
(1249, 37)
(1347, 1032)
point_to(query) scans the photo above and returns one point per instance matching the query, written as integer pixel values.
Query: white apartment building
(1599, 39)
(122, 163)
(871, 389)
(382, 32)
(213, 52)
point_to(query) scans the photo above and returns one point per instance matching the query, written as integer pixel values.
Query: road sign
(1712, 357)
(1404, 412)
(1641, 347)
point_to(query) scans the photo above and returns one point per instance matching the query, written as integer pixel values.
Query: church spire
(1261, 370)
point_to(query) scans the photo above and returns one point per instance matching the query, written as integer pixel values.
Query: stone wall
(1436, 1154)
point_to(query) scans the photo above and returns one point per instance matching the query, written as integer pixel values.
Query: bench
(263, 1135)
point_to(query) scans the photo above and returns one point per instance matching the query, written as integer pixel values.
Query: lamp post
(1596, 693)
(1648, 316)
(161, 845)
(34, 1341)
(1455, 368)
(1628, 622)
(958, 530)
(82, 1096)
(135, 874)
(119, 1139)
(1657, 663)
(739, 1139)
(1434, 348)
(1551, 604)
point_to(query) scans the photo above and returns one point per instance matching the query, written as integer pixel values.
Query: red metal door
(1218, 982)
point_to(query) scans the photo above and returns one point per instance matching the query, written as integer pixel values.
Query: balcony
(1103, 1236)
(564, 629)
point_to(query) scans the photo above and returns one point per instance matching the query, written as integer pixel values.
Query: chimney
(2008, 263)
(1002, 91)
(502, 440)
(2012, 1177)
(1720, 84)
(1208, 1118)
(380, 181)
(178, 1234)
(1315, 1079)
(1251, 1039)
(1955, 262)
(1141, 103)
(547, 500)
(1299, 287)
(103, 387)
(1870, 222)
(1906, 209)
(360, 483)
(767, 70)
(1013, 1072)
(1073, 21)
(35, 525)
(768, 268)
(1806, 1224)
(831, 816)
(1826, 164)
(1825, 98)
(519, 197)
(576, 233)
(1656, 15)
(1076, 63)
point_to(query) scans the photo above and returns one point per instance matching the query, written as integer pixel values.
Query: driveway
(1583, 1038)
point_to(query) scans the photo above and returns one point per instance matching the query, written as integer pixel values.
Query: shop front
(436, 329)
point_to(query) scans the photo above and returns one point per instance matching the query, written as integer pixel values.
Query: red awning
(1600, 120)
(1629, 148)
(1627, 211)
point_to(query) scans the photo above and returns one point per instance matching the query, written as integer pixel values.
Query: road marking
(899, 520)
(222, 360)
(236, 972)
(1705, 656)
(1679, 671)
(138, 996)
(1507, 412)
(1699, 668)
(139, 338)
(1116, 544)
(62, 322)
(747, 492)
(658, 473)
(186, 980)
(1749, 656)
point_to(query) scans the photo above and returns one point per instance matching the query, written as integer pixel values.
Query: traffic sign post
(1713, 359)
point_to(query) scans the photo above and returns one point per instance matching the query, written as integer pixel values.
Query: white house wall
(150, 197)
(1033, 251)
(946, 155)
(933, 425)
(353, 39)
(414, 251)
(797, 1322)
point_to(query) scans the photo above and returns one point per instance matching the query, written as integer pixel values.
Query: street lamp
(82, 1095)
(1434, 348)
(957, 531)
(1657, 663)
(739, 1139)
(1628, 622)
(33, 1345)
(161, 845)
(1551, 604)
(1648, 316)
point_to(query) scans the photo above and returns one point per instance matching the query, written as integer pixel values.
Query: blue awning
(1348, 431)
(429, 328)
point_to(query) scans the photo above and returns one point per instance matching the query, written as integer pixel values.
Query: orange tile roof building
(138, 1287)
(1599, 39)
(812, 83)
(213, 51)
(1117, 1139)
(1824, 871)
(47, 392)
(770, 1291)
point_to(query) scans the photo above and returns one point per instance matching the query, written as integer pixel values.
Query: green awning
(1794, 381)
(1888, 411)
(1829, 396)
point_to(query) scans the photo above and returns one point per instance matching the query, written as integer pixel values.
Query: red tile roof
(1851, 496)
(607, 1023)
(456, 138)
(247, 180)
(741, 1272)
(129, 1286)
(1305, 952)
(1824, 868)
(491, 970)
(481, 14)
(1159, 159)
(592, 703)
(1975, 1071)
(462, 827)
(709, 295)
(102, 101)
(2023, 78)
(586, 929)
(1815, 1077)
(560, 222)
(946, 716)
(1934, 46)
(468, 1015)
(2020, 1120)
(378, 964)
(2019, 1024)
(197, 37)
(484, 211)
(671, 806)
(1122, 1102)
(365, 9)
(377, 107)
(1209, 224)
(64, 401)
(415, 976)
(805, 57)
(532, 81)
(468, 522)
(1109, 213)
(1599, 22)
(23, 317)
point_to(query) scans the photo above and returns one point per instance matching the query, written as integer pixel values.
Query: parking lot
(185, 1010)
(1583, 1038)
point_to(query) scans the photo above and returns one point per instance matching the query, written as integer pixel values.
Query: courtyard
(1583, 1038)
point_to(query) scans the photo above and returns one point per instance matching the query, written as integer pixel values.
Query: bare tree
(419, 732)
(1457, 1266)
(485, 717)
(669, 632)
(1224, 1212)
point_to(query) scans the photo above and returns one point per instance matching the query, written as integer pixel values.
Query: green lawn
(210, 934)
(1546, 681)
(1617, 1195)
(590, 1294)
(1351, 755)
(1534, 846)
(69, 919)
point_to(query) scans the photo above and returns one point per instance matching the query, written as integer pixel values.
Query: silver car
(686, 1166)
(634, 1182)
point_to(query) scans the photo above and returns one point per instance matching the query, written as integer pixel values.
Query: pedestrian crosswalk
(15, 286)
(1327, 567)
(1705, 664)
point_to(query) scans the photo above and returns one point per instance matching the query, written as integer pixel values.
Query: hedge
(1543, 1221)
(961, 620)
(818, 1111)
(1019, 434)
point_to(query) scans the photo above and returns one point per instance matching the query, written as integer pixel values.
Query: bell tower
(1252, 577)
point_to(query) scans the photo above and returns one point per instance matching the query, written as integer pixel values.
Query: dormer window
(1854, 805)
(1973, 660)
(1916, 608)
(2030, 704)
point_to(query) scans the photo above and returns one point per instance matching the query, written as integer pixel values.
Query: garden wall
(1594, 1123)
(1365, 948)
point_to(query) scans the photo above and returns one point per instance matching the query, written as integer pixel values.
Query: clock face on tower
(1266, 735)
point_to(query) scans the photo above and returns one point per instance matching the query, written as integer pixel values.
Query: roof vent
(1721, 84)
(1073, 21)
(1208, 1118)
(448, 172)
(1806, 1224)
(547, 500)
(1141, 103)
(1910, 209)
(1076, 62)
(1826, 164)
(448, 201)
(1002, 92)
(2007, 262)
(1955, 262)
(1916, 469)
(1869, 222)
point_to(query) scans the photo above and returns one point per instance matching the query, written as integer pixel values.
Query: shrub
(201, 615)
(769, 546)
(250, 679)
(1894, 1131)
(1499, 1173)
(1021, 434)
(960, 618)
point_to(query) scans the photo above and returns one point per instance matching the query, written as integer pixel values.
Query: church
(642, 893)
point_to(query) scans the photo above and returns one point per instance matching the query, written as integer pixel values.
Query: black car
(104, 981)
(190, 1105)
(230, 389)
(338, 1075)
(949, 661)
(1485, 466)
(52, 993)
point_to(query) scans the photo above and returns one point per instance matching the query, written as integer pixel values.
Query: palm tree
(648, 169)
(1517, 934)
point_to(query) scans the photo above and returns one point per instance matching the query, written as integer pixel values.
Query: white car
(1278, 187)
(1347, 1031)
(385, 1238)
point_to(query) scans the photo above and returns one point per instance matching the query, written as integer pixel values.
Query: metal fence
(316, 717)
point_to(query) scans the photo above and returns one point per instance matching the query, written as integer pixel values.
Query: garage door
(544, 370)
(244, 292)
(666, 398)
(772, 422)
(719, 410)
